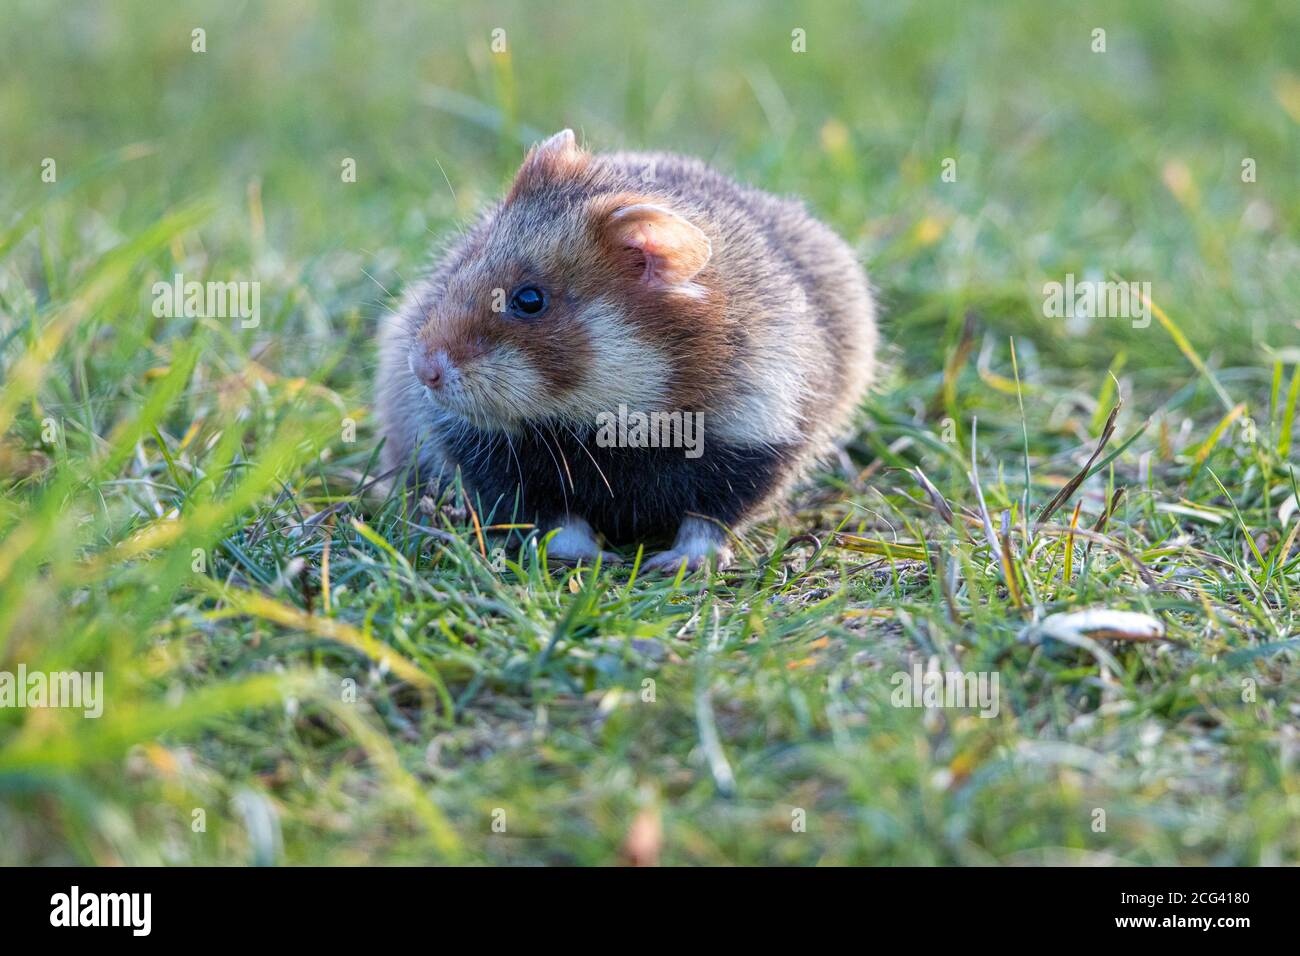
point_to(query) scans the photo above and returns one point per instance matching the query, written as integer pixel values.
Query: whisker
(581, 444)
(540, 438)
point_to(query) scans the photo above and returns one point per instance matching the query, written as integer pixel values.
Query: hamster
(611, 290)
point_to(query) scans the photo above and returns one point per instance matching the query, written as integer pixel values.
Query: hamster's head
(576, 295)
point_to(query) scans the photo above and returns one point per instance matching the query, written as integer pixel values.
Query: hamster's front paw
(698, 543)
(670, 561)
(574, 541)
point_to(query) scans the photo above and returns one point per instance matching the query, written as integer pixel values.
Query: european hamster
(611, 290)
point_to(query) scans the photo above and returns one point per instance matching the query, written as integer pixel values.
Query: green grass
(131, 444)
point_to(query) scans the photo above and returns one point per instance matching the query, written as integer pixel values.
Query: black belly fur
(627, 494)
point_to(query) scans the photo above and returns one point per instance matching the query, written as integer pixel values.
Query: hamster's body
(611, 285)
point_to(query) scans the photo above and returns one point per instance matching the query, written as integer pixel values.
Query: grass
(295, 673)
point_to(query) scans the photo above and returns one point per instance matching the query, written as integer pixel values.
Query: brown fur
(773, 339)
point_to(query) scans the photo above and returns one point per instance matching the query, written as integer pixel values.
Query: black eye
(527, 302)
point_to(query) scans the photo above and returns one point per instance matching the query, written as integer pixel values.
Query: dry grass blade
(952, 368)
(1073, 484)
(989, 535)
(1185, 346)
(1143, 571)
(1067, 574)
(1288, 415)
(1208, 446)
(1104, 520)
(936, 498)
(946, 585)
(1009, 562)
(905, 550)
(276, 612)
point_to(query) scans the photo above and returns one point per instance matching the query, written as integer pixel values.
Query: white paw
(695, 558)
(575, 542)
(607, 558)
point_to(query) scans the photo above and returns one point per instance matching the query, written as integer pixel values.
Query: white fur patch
(574, 540)
(624, 369)
(494, 391)
(771, 382)
(763, 406)
(697, 536)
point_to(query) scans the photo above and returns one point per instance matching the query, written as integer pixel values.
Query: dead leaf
(1103, 623)
(1287, 510)
(645, 838)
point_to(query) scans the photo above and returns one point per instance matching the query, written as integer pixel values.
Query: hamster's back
(796, 293)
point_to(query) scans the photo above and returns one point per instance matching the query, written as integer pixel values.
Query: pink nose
(430, 369)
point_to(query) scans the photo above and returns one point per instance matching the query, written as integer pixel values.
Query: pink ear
(675, 250)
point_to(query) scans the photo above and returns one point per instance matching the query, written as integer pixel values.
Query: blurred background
(1124, 162)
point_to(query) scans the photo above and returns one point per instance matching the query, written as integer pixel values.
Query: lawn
(302, 666)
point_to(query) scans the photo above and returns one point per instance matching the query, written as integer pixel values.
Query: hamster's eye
(527, 302)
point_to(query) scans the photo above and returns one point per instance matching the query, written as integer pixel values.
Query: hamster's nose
(431, 369)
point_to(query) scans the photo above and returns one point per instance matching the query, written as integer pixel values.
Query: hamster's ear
(558, 156)
(674, 250)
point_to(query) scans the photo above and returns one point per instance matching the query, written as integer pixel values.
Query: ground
(296, 673)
